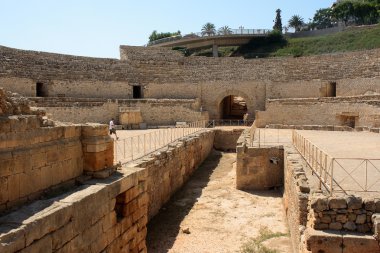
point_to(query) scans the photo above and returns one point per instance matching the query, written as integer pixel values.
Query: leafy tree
(358, 12)
(365, 13)
(156, 36)
(344, 11)
(323, 19)
(224, 30)
(278, 23)
(208, 29)
(296, 22)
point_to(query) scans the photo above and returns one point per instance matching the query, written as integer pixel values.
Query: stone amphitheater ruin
(69, 187)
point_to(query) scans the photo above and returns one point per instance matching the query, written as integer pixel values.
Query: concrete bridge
(235, 37)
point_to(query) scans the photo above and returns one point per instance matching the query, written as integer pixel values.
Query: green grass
(274, 45)
(255, 245)
(353, 39)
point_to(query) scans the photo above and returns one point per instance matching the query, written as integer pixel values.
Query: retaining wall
(170, 167)
(100, 216)
(226, 140)
(321, 111)
(164, 73)
(153, 111)
(258, 168)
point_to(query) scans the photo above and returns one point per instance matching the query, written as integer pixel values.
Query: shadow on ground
(165, 226)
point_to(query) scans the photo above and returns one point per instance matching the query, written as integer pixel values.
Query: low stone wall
(364, 110)
(296, 196)
(349, 213)
(258, 168)
(226, 139)
(153, 111)
(99, 216)
(38, 155)
(170, 167)
(36, 159)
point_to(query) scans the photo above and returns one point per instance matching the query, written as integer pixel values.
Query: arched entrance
(233, 107)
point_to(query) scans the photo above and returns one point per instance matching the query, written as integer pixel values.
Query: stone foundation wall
(350, 213)
(226, 140)
(34, 159)
(153, 111)
(38, 155)
(296, 196)
(322, 111)
(100, 216)
(258, 168)
(170, 167)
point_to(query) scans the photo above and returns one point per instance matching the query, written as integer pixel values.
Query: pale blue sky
(97, 27)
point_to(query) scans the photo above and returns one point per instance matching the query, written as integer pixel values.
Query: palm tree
(296, 22)
(208, 29)
(224, 30)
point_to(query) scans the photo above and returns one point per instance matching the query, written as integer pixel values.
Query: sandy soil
(219, 218)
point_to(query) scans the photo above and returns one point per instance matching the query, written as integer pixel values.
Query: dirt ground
(209, 215)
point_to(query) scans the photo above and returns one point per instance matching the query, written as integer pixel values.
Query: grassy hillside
(352, 39)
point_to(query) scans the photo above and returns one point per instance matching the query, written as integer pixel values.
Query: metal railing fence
(135, 147)
(339, 174)
(234, 32)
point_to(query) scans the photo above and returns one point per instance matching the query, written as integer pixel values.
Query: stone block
(363, 228)
(97, 161)
(350, 226)
(41, 246)
(12, 238)
(7, 164)
(4, 195)
(14, 187)
(361, 219)
(321, 241)
(319, 203)
(377, 203)
(109, 221)
(326, 219)
(71, 132)
(30, 182)
(337, 203)
(63, 235)
(93, 129)
(354, 202)
(335, 226)
(359, 243)
(38, 159)
(369, 205)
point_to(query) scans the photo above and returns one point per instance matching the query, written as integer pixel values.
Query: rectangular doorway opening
(137, 91)
(41, 90)
(331, 89)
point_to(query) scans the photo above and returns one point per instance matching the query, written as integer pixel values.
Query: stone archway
(232, 104)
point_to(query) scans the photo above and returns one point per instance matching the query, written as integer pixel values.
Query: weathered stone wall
(165, 73)
(163, 66)
(322, 111)
(36, 156)
(170, 167)
(258, 168)
(226, 139)
(350, 213)
(153, 111)
(100, 216)
(296, 196)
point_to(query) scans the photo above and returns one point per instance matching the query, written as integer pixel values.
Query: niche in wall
(331, 89)
(137, 91)
(41, 89)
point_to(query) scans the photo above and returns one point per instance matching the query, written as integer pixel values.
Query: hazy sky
(97, 28)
